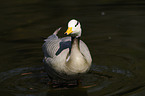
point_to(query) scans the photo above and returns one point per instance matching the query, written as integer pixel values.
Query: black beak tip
(65, 33)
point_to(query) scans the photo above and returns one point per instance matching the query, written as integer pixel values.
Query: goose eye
(76, 24)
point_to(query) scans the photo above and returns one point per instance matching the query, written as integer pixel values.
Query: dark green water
(113, 30)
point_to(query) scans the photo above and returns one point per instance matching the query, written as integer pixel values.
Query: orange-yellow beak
(69, 30)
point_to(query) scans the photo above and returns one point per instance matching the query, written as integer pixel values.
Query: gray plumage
(64, 58)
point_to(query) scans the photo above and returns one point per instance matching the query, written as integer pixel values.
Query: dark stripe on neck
(74, 37)
(73, 40)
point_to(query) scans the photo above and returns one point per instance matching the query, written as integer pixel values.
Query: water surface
(113, 30)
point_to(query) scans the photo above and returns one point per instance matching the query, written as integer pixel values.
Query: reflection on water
(113, 30)
(30, 80)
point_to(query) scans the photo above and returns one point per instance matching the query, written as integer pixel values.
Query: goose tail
(56, 31)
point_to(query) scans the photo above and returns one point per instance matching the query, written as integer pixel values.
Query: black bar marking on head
(77, 23)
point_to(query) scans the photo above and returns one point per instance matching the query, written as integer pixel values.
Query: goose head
(74, 28)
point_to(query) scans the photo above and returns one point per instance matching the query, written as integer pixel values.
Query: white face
(74, 28)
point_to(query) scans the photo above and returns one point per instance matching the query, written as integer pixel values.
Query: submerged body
(65, 58)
